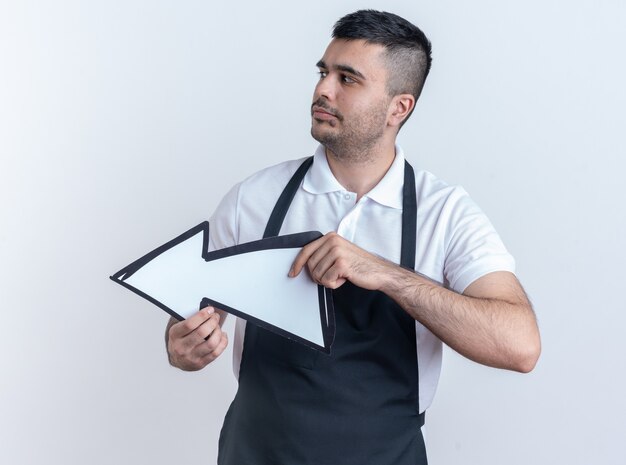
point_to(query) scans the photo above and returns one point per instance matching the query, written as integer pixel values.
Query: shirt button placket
(347, 226)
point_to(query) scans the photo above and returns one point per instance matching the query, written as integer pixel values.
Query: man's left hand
(333, 260)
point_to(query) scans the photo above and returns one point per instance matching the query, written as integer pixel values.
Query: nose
(325, 88)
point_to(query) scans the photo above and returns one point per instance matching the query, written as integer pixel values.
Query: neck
(360, 173)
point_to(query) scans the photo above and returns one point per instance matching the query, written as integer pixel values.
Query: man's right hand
(195, 342)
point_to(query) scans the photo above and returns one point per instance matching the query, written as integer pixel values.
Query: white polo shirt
(455, 244)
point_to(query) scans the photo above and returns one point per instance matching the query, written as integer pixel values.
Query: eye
(322, 74)
(347, 79)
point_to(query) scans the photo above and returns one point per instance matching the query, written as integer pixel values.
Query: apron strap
(282, 205)
(409, 219)
(409, 208)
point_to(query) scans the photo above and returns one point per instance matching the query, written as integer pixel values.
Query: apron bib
(357, 406)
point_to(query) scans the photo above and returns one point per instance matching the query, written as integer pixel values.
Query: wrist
(393, 279)
(407, 288)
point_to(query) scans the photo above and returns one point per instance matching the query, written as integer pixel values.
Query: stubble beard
(354, 141)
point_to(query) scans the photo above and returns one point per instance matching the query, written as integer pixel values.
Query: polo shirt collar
(320, 180)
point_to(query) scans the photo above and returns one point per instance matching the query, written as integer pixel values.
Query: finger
(205, 330)
(323, 259)
(210, 344)
(221, 346)
(185, 327)
(333, 277)
(193, 347)
(303, 256)
(316, 250)
(333, 253)
(320, 255)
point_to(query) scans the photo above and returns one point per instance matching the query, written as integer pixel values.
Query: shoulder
(467, 245)
(447, 209)
(271, 178)
(431, 191)
(437, 197)
(242, 214)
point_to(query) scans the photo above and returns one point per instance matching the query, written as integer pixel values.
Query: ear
(400, 108)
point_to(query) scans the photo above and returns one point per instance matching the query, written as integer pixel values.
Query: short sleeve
(224, 232)
(473, 248)
(223, 224)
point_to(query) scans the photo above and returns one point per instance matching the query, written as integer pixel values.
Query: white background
(122, 124)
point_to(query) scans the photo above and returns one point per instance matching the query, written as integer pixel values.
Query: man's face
(350, 102)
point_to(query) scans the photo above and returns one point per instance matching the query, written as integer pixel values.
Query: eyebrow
(344, 68)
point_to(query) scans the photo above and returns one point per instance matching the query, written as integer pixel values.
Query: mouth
(320, 113)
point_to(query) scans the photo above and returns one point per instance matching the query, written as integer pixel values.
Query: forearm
(493, 323)
(499, 332)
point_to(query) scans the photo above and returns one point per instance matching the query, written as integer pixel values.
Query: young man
(392, 235)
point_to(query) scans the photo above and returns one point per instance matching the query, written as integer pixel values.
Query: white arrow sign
(248, 280)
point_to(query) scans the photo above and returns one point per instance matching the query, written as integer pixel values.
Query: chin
(322, 133)
(320, 136)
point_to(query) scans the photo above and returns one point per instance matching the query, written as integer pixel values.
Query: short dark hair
(408, 50)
